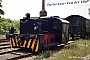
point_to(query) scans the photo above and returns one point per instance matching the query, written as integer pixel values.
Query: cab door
(57, 30)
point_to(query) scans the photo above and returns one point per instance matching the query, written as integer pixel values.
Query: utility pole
(43, 12)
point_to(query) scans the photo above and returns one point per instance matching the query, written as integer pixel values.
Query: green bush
(6, 23)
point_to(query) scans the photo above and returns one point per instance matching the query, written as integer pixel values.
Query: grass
(80, 48)
(2, 36)
(43, 55)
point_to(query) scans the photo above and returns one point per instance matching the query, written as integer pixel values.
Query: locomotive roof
(63, 20)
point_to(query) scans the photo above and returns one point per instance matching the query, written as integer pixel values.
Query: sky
(16, 9)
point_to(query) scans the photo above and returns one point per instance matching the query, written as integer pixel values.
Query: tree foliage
(6, 23)
(1, 11)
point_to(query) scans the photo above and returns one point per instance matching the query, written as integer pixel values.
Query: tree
(1, 11)
(5, 24)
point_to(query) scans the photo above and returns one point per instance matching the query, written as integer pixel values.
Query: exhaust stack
(43, 12)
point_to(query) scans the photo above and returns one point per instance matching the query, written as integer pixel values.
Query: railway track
(7, 53)
(3, 40)
(14, 54)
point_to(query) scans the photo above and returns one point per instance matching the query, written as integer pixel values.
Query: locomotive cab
(51, 31)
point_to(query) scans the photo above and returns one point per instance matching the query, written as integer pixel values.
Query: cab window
(56, 25)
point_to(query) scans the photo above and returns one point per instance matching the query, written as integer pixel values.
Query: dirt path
(2, 37)
(87, 57)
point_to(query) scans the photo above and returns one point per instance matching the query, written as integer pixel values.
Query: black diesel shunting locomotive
(43, 32)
